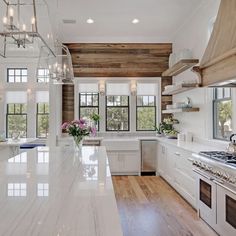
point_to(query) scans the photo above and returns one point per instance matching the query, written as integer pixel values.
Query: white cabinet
(165, 163)
(123, 156)
(174, 167)
(124, 162)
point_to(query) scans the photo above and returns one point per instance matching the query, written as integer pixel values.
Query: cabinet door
(161, 160)
(170, 165)
(114, 162)
(131, 162)
(184, 178)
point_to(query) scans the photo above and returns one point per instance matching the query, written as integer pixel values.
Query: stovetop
(221, 156)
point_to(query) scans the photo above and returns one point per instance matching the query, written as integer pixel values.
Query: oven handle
(224, 186)
(203, 174)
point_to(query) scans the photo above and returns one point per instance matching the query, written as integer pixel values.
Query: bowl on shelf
(177, 105)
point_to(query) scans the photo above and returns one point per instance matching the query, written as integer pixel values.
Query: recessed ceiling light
(90, 21)
(135, 21)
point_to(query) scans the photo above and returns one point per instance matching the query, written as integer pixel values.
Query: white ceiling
(159, 19)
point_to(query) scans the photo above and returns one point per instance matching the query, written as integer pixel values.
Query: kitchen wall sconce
(102, 87)
(133, 88)
(29, 94)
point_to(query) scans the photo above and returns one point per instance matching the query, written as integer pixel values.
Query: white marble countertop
(11, 142)
(193, 147)
(56, 191)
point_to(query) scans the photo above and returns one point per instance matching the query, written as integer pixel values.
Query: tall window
(222, 115)
(88, 104)
(117, 113)
(146, 113)
(42, 116)
(146, 106)
(88, 100)
(117, 107)
(42, 120)
(43, 76)
(16, 120)
(17, 75)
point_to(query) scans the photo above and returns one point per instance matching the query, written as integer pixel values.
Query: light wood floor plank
(148, 206)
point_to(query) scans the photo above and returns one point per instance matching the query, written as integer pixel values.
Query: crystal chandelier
(25, 25)
(60, 67)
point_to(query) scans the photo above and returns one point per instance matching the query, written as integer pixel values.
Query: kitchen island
(11, 147)
(57, 191)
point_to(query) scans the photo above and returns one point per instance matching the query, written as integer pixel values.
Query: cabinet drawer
(187, 183)
(184, 166)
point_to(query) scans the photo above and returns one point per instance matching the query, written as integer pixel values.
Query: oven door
(226, 210)
(206, 198)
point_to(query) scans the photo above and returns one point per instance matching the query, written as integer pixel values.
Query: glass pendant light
(25, 28)
(60, 67)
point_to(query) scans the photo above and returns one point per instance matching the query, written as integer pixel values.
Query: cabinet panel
(170, 166)
(124, 162)
(113, 162)
(161, 159)
(131, 161)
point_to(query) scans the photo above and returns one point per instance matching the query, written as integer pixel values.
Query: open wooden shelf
(180, 88)
(178, 110)
(180, 66)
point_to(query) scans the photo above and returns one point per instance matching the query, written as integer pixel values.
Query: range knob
(232, 180)
(219, 174)
(226, 177)
(210, 169)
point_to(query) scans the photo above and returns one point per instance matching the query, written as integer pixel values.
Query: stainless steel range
(216, 185)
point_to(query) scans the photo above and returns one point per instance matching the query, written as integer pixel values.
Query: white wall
(194, 34)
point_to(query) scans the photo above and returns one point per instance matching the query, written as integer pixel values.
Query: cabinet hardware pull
(177, 153)
(221, 183)
(202, 174)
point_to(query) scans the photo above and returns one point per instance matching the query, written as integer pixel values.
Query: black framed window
(17, 75)
(88, 104)
(145, 113)
(43, 76)
(222, 113)
(42, 120)
(117, 113)
(16, 119)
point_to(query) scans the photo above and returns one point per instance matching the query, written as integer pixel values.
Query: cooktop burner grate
(222, 156)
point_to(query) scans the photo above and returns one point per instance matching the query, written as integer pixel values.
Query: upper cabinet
(218, 65)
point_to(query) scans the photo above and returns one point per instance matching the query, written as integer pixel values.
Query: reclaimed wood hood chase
(218, 65)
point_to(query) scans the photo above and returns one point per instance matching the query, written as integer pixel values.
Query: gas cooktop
(221, 156)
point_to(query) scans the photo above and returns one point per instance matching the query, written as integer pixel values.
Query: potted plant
(78, 129)
(167, 127)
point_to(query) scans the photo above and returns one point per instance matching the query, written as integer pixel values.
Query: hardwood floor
(148, 206)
